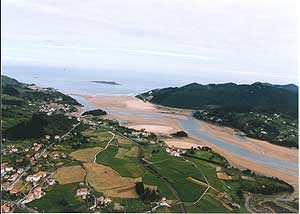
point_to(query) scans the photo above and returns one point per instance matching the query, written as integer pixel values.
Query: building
(36, 177)
(14, 190)
(164, 203)
(174, 152)
(5, 185)
(13, 177)
(50, 181)
(28, 198)
(37, 192)
(83, 192)
(103, 200)
(5, 208)
(2, 171)
(9, 169)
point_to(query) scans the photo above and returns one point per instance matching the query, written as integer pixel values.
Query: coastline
(132, 111)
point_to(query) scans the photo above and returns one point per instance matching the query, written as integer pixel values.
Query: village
(29, 171)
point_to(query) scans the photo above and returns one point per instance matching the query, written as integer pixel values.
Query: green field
(61, 198)
(126, 166)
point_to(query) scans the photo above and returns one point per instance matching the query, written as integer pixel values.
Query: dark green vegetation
(280, 129)
(12, 87)
(40, 125)
(96, 112)
(180, 134)
(146, 194)
(197, 96)
(61, 198)
(261, 110)
(21, 116)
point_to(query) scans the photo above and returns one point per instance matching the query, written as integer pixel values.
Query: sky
(241, 41)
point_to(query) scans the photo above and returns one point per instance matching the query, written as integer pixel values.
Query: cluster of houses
(164, 202)
(9, 176)
(35, 193)
(52, 108)
(103, 201)
(36, 177)
(10, 149)
(82, 192)
(174, 151)
(6, 168)
(5, 208)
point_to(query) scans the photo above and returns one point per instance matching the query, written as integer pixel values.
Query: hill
(31, 112)
(260, 110)
(197, 96)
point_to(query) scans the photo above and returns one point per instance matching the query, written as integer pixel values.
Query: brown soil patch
(105, 179)
(223, 176)
(69, 174)
(195, 181)
(85, 155)
(248, 178)
(182, 143)
(118, 206)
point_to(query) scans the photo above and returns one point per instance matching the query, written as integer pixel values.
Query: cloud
(136, 51)
(229, 38)
(167, 53)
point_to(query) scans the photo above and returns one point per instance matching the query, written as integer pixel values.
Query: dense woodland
(96, 112)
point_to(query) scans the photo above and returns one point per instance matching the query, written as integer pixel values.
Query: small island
(106, 82)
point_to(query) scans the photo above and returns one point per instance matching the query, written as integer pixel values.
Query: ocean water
(79, 81)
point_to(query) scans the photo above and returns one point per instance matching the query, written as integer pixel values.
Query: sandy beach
(160, 124)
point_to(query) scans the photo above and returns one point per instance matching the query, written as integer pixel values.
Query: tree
(140, 189)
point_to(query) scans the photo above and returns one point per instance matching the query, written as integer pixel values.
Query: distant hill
(283, 98)
(289, 87)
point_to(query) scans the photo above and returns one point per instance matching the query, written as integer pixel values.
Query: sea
(79, 81)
